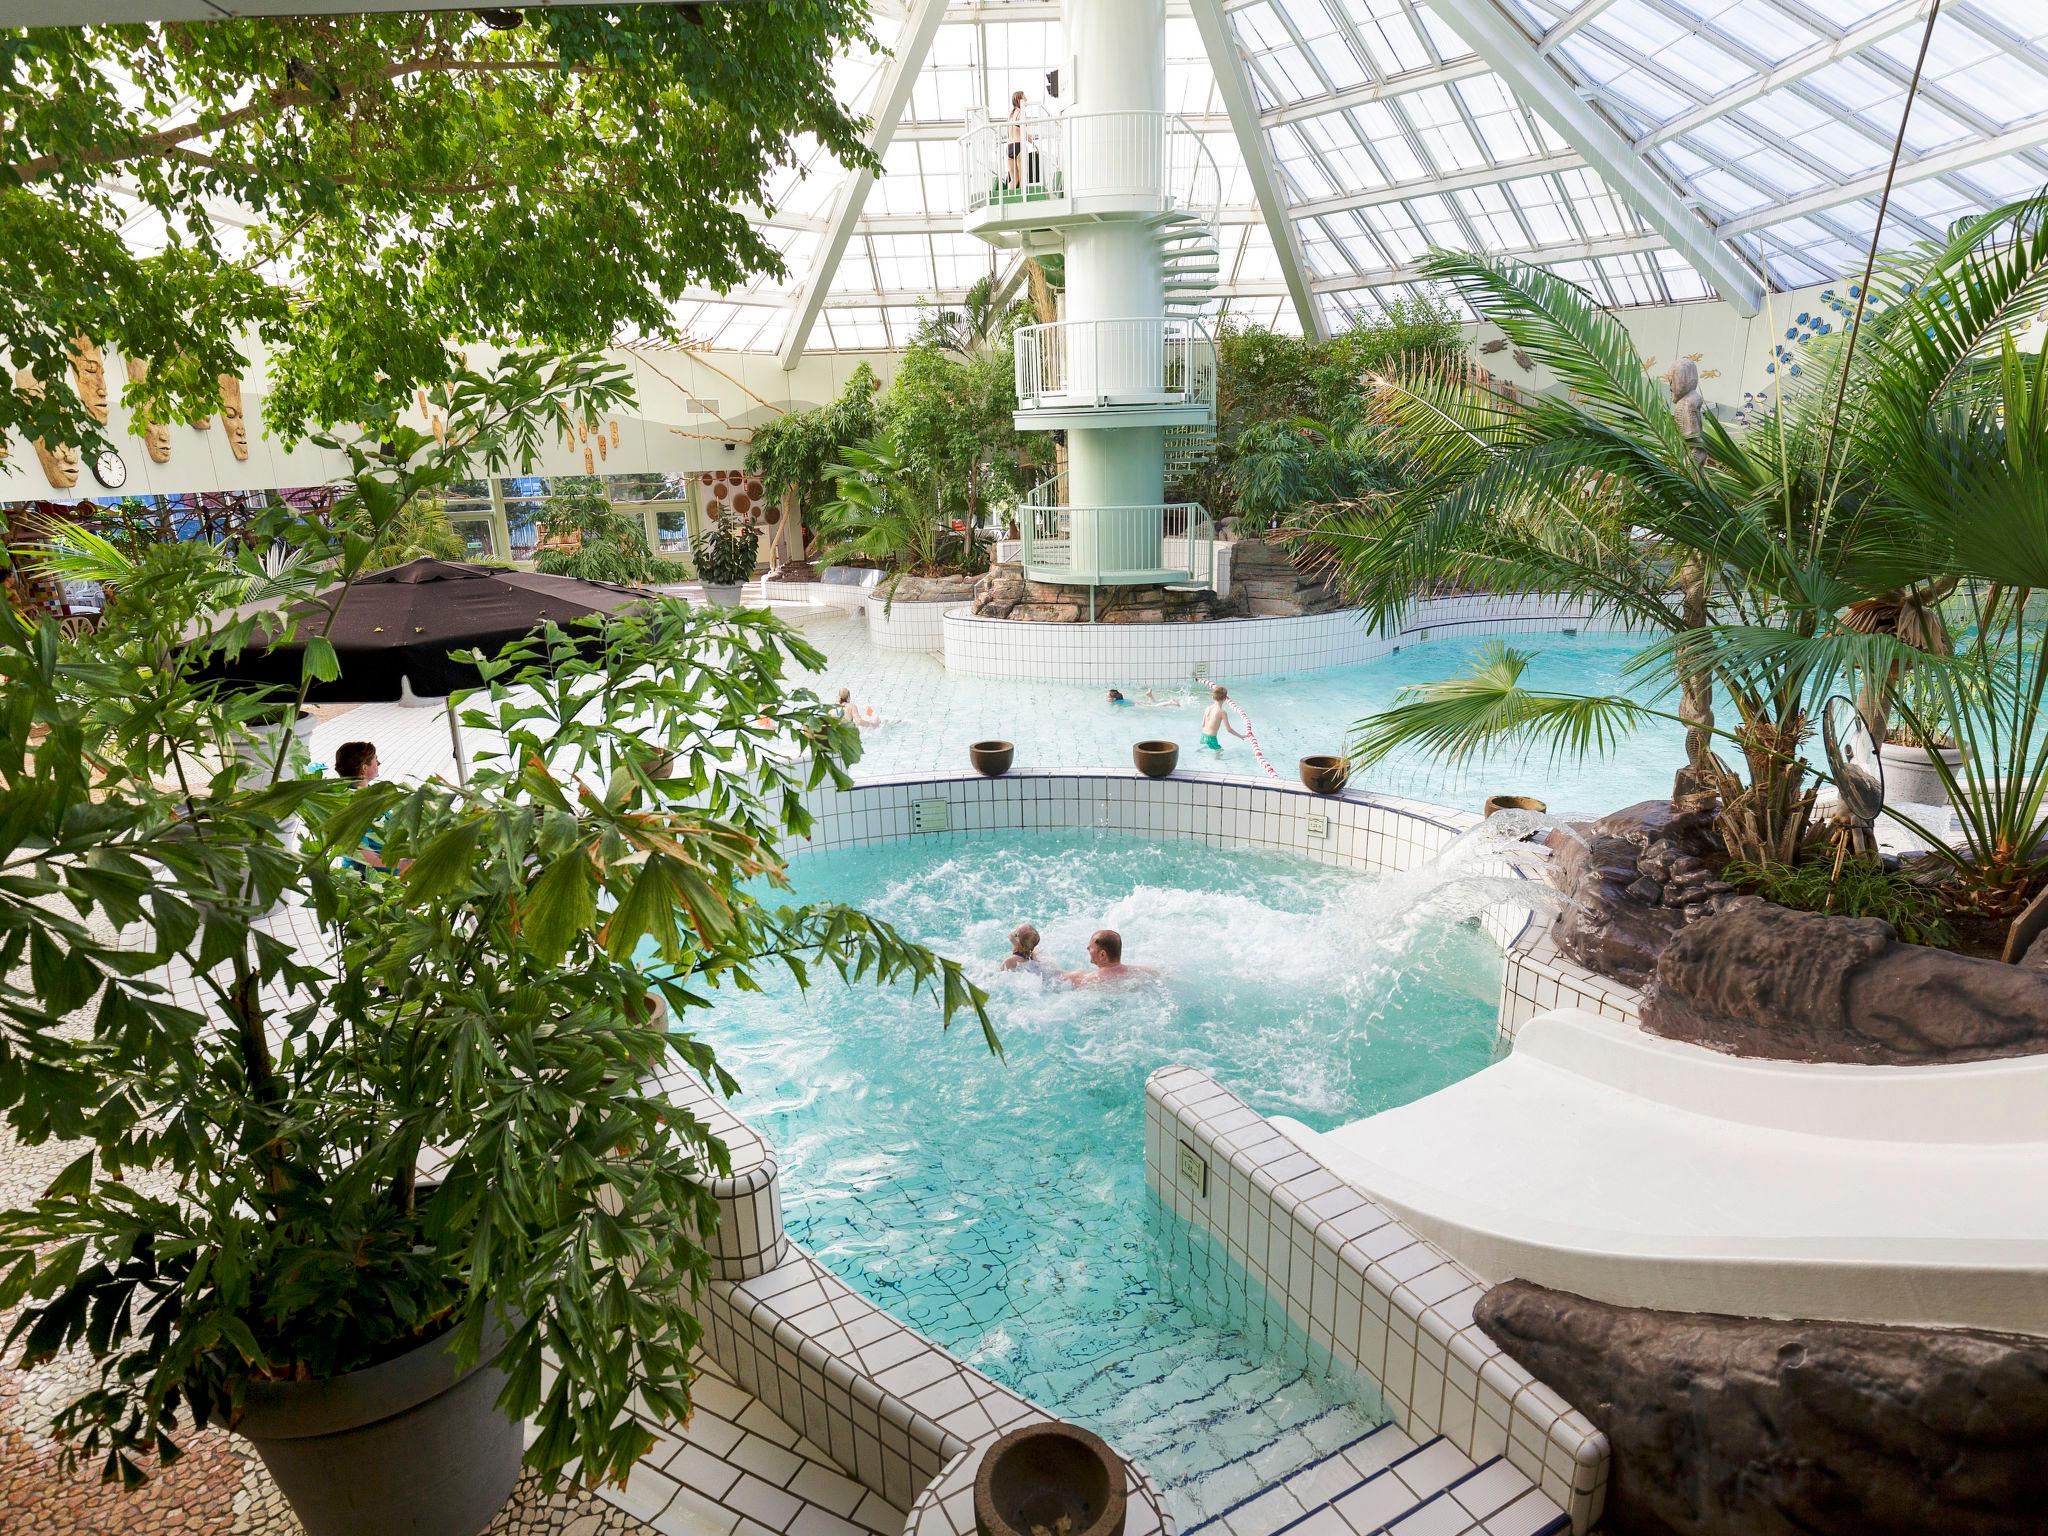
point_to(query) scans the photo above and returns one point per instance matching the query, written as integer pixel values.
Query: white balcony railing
(1115, 362)
(1078, 154)
(1061, 541)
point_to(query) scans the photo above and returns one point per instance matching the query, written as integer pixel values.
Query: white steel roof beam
(2027, 134)
(1546, 91)
(1377, 90)
(892, 95)
(1219, 41)
(1444, 182)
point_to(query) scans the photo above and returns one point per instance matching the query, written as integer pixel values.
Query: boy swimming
(1216, 720)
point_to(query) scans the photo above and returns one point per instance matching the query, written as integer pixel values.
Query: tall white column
(1116, 81)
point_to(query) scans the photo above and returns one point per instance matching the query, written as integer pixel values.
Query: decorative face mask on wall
(60, 464)
(90, 373)
(231, 415)
(156, 437)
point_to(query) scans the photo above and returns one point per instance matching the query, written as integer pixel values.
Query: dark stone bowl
(1325, 775)
(1035, 1477)
(1155, 759)
(992, 758)
(1514, 803)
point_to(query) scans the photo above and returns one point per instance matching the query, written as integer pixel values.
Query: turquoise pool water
(1065, 725)
(1000, 1206)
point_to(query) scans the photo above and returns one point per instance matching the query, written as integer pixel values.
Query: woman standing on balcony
(1016, 141)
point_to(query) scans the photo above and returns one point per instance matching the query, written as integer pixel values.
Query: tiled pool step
(737, 1469)
(1385, 1482)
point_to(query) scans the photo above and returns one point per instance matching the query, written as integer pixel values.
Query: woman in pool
(1150, 701)
(1023, 955)
(853, 714)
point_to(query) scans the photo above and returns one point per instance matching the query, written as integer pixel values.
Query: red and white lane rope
(1252, 736)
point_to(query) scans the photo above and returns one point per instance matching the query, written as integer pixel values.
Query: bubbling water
(1000, 1206)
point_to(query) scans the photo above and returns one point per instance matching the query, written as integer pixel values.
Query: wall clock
(110, 469)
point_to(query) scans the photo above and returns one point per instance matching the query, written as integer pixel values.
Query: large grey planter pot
(1909, 775)
(723, 595)
(412, 1447)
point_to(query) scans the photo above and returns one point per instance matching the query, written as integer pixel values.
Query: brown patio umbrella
(398, 627)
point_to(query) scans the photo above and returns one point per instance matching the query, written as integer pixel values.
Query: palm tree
(1763, 559)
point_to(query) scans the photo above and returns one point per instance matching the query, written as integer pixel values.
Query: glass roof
(1770, 122)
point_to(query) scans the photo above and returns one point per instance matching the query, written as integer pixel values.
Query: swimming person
(1106, 954)
(1150, 701)
(1118, 701)
(1023, 955)
(853, 714)
(1216, 719)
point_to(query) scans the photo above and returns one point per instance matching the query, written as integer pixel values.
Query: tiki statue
(231, 415)
(156, 437)
(90, 373)
(60, 464)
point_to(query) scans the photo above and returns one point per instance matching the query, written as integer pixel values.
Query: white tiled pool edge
(1147, 654)
(892, 1409)
(1380, 1299)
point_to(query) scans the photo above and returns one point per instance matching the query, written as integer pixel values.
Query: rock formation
(1003, 593)
(1641, 874)
(1760, 980)
(1264, 583)
(1726, 1426)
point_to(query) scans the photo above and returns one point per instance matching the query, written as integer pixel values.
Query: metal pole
(455, 740)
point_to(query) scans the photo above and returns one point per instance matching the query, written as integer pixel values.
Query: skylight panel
(1389, 37)
(1503, 125)
(1492, 218)
(1763, 28)
(1541, 201)
(1441, 127)
(1598, 210)
(1390, 142)
(1302, 171)
(1680, 281)
(1998, 87)
(1396, 231)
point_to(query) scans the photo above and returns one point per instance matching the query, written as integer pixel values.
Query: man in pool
(1216, 719)
(1106, 954)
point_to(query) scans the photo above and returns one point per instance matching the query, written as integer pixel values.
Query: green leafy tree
(1303, 400)
(793, 454)
(403, 179)
(596, 543)
(952, 419)
(247, 1202)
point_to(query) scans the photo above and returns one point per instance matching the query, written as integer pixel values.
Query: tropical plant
(421, 532)
(584, 538)
(793, 454)
(391, 181)
(886, 514)
(1860, 887)
(953, 421)
(1282, 469)
(1779, 561)
(1266, 380)
(247, 1202)
(724, 553)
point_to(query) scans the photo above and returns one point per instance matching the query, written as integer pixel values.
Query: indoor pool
(1000, 1207)
(934, 714)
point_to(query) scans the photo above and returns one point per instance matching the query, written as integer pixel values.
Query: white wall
(661, 432)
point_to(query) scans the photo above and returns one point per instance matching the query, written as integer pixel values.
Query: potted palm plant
(724, 556)
(340, 1197)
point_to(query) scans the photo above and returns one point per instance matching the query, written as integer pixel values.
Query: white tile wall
(902, 626)
(1227, 648)
(1380, 1299)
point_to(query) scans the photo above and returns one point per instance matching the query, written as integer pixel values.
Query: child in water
(1117, 700)
(1216, 720)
